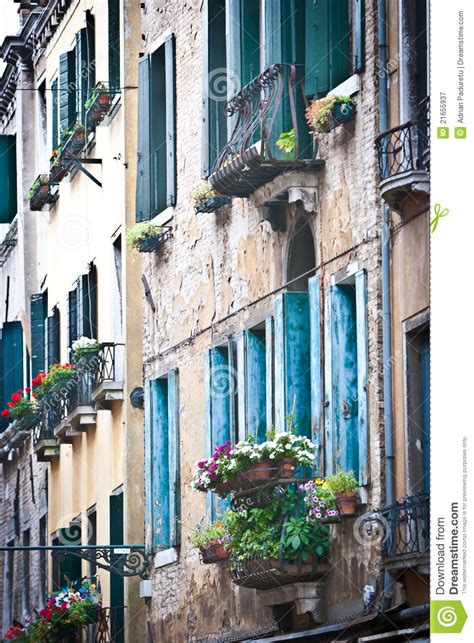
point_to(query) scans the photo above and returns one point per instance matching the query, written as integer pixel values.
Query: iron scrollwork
(122, 561)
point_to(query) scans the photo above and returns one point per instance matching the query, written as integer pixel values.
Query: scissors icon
(439, 214)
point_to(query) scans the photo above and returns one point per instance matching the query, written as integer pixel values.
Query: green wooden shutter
(117, 587)
(173, 457)
(233, 50)
(8, 194)
(340, 57)
(3, 421)
(37, 316)
(329, 464)
(90, 40)
(170, 122)
(12, 356)
(250, 40)
(114, 45)
(54, 114)
(71, 567)
(143, 192)
(160, 463)
(54, 337)
(358, 35)
(82, 72)
(292, 362)
(317, 428)
(88, 304)
(317, 47)
(214, 91)
(72, 319)
(149, 422)
(67, 90)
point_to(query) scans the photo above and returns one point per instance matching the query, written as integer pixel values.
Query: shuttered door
(143, 192)
(317, 428)
(173, 457)
(8, 194)
(12, 359)
(358, 35)
(114, 45)
(117, 594)
(37, 317)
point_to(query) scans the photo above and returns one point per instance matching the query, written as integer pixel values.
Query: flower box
(40, 193)
(59, 169)
(214, 553)
(325, 114)
(150, 245)
(268, 573)
(98, 105)
(212, 204)
(75, 142)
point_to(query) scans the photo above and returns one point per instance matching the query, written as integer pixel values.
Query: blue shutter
(317, 428)
(8, 195)
(362, 372)
(240, 342)
(284, 32)
(160, 464)
(12, 356)
(250, 40)
(170, 122)
(37, 316)
(173, 456)
(233, 51)
(339, 53)
(269, 373)
(317, 47)
(292, 362)
(208, 427)
(54, 114)
(329, 451)
(149, 500)
(358, 35)
(143, 192)
(251, 352)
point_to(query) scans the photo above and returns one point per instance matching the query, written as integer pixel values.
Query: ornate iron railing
(272, 104)
(404, 148)
(407, 526)
(108, 364)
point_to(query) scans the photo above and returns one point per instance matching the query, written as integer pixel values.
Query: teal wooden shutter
(250, 40)
(37, 316)
(114, 45)
(251, 369)
(12, 356)
(317, 46)
(358, 35)
(317, 428)
(269, 372)
(3, 421)
(214, 91)
(70, 568)
(143, 193)
(54, 334)
(82, 73)
(340, 57)
(8, 195)
(160, 464)
(88, 304)
(233, 49)
(284, 32)
(54, 114)
(292, 362)
(362, 372)
(329, 464)
(90, 33)
(117, 593)
(149, 501)
(72, 319)
(173, 457)
(170, 122)
(67, 90)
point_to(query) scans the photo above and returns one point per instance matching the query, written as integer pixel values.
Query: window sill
(348, 88)
(163, 217)
(165, 557)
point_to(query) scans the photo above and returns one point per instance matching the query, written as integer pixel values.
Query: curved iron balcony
(272, 104)
(403, 154)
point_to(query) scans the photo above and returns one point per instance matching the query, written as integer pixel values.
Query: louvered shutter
(317, 47)
(8, 194)
(54, 114)
(37, 316)
(114, 45)
(143, 192)
(170, 122)
(358, 35)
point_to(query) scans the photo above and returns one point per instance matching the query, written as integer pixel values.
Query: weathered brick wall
(214, 265)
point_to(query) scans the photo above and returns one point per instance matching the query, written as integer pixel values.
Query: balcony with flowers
(275, 521)
(21, 413)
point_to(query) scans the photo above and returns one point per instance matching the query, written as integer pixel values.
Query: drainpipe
(386, 295)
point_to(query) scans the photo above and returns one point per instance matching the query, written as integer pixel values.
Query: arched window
(301, 256)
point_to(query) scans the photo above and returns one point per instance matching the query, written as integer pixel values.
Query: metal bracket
(78, 163)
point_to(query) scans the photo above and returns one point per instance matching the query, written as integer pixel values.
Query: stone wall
(217, 275)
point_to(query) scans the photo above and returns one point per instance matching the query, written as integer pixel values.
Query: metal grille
(407, 525)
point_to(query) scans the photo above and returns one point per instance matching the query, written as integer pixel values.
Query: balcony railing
(407, 528)
(272, 104)
(108, 375)
(405, 148)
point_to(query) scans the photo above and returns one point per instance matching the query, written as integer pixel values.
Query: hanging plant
(324, 114)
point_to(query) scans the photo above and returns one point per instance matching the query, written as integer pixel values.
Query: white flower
(84, 342)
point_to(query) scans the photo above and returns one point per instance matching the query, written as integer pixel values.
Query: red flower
(10, 404)
(16, 397)
(5, 413)
(28, 389)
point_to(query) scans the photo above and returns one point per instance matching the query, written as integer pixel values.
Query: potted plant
(59, 168)
(40, 192)
(319, 501)
(59, 375)
(211, 541)
(22, 408)
(344, 487)
(86, 350)
(74, 141)
(206, 199)
(324, 114)
(146, 237)
(98, 104)
(286, 143)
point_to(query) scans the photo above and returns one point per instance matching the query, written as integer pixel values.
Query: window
(215, 84)
(417, 383)
(156, 165)
(38, 314)
(301, 256)
(67, 91)
(54, 337)
(346, 377)
(12, 362)
(243, 43)
(43, 560)
(114, 45)
(8, 196)
(162, 461)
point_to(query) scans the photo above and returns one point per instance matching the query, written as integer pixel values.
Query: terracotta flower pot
(224, 488)
(258, 472)
(287, 467)
(214, 552)
(346, 502)
(104, 100)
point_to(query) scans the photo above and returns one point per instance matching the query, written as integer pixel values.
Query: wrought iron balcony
(108, 375)
(403, 154)
(406, 526)
(45, 444)
(271, 105)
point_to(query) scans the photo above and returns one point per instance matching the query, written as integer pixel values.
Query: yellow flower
(325, 485)
(319, 481)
